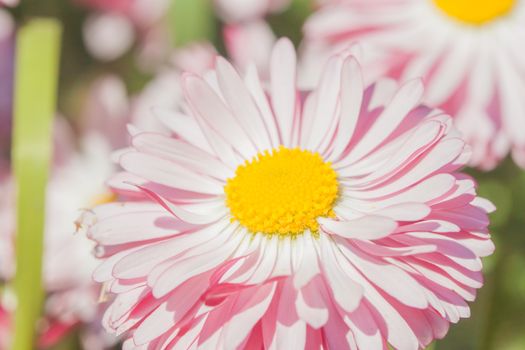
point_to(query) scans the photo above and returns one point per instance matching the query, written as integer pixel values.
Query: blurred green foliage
(193, 20)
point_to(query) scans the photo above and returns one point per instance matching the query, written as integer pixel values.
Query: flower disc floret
(475, 12)
(282, 192)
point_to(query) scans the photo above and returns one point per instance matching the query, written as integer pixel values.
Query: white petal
(394, 281)
(405, 212)
(212, 110)
(241, 324)
(242, 104)
(192, 266)
(365, 228)
(184, 126)
(407, 98)
(346, 291)
(289, 337)
(315, 317)
(352, 88)
(168, 173)
(282, 87)
(258, 94)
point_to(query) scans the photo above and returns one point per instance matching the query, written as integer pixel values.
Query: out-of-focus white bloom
(7, 219)
(195, 58)
(108, 35)
(68, 263)
(164, 91)
(6, 25)
(248, 43)
(116, 25)
(107, 110)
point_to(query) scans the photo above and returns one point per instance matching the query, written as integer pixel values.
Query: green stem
(36, 78)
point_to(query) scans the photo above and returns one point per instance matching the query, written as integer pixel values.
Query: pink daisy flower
(469, 53)
(279, 218)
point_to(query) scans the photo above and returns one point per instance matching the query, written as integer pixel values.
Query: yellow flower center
(282, 192)
(475, 12)
(103, 198)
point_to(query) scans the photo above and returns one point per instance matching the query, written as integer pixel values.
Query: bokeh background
(498, 315)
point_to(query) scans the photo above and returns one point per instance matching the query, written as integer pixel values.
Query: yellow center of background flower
(475, 11)
(103, 198)
(282, 192)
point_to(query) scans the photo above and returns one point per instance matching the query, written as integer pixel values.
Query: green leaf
(290, 22)
(192, 20)
(36, 78)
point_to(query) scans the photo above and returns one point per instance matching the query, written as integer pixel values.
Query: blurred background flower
(467, 51)
(115, 26)
(77, 183)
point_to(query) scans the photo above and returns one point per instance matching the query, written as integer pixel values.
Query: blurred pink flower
(240, 39)
(10, 3)
(141, 12)
(128, 21)
(197, 57)
(468, 52)
(72, 298)
(122, 6)
(279, 218)
(163, 91)
(108, 47)
(6, 257)
(5, 325)
(7, 218)
(246, 10)
(106, 111)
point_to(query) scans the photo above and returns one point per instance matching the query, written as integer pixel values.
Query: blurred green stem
(36, 79)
